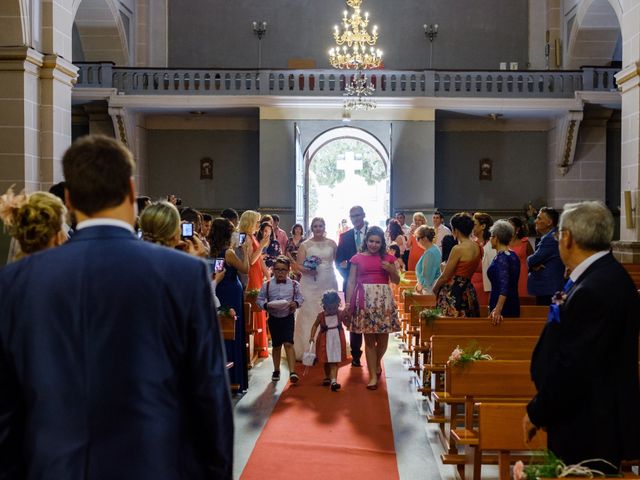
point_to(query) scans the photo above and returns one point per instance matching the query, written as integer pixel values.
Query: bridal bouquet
(312, 263)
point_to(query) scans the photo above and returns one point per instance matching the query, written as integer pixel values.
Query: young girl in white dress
(331, 344)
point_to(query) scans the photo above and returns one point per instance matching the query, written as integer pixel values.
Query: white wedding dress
(312, 291)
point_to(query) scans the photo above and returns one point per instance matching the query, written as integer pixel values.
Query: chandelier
(355, 45)
(356, 50)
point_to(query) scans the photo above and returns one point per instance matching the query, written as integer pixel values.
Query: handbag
(309, 357)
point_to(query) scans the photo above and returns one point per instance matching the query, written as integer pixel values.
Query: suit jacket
(346, 249)
(585, 369)
(550, 279)
(112, 364)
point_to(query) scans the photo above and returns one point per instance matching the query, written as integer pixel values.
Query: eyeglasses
(356, 215)
(280, 269)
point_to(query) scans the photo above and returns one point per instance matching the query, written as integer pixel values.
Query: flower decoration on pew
(312, 263)
(410, 292)
(404, 280)
(226, 311)
(253, 293)
(429, 315)
(461, 356)
(553, 467)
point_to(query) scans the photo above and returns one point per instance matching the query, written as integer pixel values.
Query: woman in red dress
(249, 225)
(414, 247)
(522, 247)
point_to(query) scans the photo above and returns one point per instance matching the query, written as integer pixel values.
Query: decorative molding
(628, 77)
(184, 122)
(23, 59)
(57, 68)
(567, 137)
(123, 125)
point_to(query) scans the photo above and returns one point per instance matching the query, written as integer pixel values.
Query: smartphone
(241, 238)
(218, 265)
(186, 230)
(139, 233)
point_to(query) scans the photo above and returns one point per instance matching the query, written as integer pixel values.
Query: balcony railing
(387, 83)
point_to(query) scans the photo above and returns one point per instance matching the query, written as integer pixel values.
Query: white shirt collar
(102, 222)
(586, 263)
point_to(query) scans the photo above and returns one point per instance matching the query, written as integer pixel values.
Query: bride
(313, 283)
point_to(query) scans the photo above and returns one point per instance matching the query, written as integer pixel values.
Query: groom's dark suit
(112, 364)
(346, 249)
(585, 368)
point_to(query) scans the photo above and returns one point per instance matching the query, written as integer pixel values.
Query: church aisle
(416, 443)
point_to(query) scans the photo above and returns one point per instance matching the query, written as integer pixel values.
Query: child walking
(331, 344)
(280, 297)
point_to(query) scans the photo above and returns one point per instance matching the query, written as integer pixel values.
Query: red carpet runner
(314, 433)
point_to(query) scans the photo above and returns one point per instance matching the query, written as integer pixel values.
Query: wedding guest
(503, 274)
(35, 221)
(396, 235)
(441, 229)
(370, 302)
(415, 250)
(585, 365)
(546, 270)
(455, 293)
(272, 250)
(428, 267)
(401, 218)
(292, 247)
(521, 245)
(280, 234)
(482, 223)
(231, 215)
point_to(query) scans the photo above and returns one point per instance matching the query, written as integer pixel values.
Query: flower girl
(331, 344)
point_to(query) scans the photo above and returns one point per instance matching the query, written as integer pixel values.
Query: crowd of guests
(473, 261)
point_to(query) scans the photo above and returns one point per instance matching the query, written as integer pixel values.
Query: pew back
(490, 378)
(505, 347)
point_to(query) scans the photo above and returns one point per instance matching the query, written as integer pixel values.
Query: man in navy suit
(546, 271)
(112, 363)
(349, 244)
(585, 365)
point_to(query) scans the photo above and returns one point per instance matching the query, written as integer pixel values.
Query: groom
(349, 244)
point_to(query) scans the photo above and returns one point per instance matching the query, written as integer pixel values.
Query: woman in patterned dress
(455, 293)
(370, 301)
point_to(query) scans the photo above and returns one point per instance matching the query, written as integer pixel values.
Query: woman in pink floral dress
(370, 301)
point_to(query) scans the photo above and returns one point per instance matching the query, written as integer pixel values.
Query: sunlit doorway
(345, 167)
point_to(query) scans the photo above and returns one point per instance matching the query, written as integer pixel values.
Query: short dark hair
(520, 227)
(276, 217)
(206, 217)
(437, 212)
(97, 171)
(377, 231)
(394, 229)
(57, 189)
(297, 225)
(189, 215)
(396, 249)
(284, 260)
(552, 213)
(221, 231)
(230, 214)
(486, 220)
(463, 222)
(142, 202)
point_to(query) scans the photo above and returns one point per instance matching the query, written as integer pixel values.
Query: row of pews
(478, 406)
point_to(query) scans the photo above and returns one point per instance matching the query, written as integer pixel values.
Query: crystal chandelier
(356, 50)
(355, 45)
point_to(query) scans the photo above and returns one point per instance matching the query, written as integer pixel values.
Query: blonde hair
(248, 220)
(160, 223)
(33, 220)
(420, 215)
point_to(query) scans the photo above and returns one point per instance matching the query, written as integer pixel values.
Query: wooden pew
(500, 429)
(484, 381)
(528, 311)
(411, 326)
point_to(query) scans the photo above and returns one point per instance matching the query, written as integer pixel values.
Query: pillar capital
(57, 68)
(629, 77)
(20, 59)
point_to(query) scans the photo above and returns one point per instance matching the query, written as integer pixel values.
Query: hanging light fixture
(355, 50)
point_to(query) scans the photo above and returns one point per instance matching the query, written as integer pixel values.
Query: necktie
(358, 240)
(568, 285)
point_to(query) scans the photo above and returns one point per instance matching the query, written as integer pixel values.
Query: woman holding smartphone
(249, 225)
(230, 293)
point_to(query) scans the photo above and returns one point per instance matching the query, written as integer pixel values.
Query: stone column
(57, 77)
(20, 119)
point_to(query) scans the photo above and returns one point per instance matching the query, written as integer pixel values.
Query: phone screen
(186, 230)
(218, 265)
(241, 238)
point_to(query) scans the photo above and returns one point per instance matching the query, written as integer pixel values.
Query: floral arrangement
(253, 292)
(226, 311)
(409, 292)
(461, 356)
(553, 467)
(429, 314)
(557, 300)
(404, 280)
(312, 263)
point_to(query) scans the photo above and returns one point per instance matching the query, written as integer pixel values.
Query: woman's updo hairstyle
(33, 220)
(160, 223)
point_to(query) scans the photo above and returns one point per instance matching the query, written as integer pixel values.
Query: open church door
(300, 191)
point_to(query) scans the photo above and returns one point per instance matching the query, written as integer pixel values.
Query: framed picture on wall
(486, 169)
(206, 168)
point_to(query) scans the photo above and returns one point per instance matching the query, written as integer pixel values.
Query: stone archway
(351, 150)
(595, 34)
(102, 32)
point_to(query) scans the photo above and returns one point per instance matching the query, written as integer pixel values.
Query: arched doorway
(346, 166)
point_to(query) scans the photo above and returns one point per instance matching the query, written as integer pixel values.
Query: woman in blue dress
(230, 294)
(428, 267)
(503, 274)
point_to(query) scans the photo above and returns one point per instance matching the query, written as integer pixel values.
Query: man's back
(113, 364)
